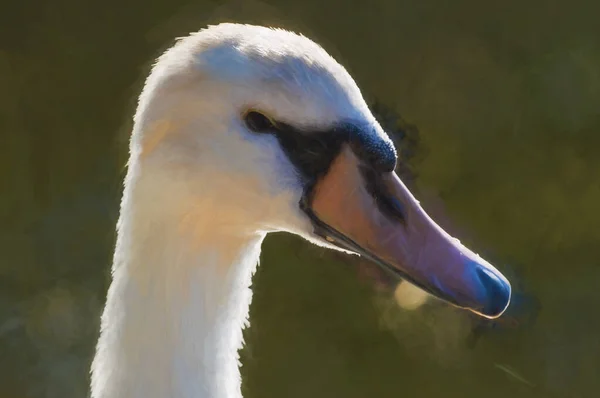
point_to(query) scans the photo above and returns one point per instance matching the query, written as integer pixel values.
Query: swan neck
(175, 310)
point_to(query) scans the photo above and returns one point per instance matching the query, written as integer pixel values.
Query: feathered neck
(176, 306)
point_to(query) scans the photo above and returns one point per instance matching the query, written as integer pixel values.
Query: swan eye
(258, 122)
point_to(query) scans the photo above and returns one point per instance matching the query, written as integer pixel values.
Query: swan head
(243, 129)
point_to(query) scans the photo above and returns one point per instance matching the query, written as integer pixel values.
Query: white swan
(240, 131)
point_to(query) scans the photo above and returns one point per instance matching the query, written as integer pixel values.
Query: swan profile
(240, 131)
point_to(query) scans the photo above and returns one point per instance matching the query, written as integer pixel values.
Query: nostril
(497, 292)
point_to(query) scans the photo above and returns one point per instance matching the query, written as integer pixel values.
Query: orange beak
(375, 215)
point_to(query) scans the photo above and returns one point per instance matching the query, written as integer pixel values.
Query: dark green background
(506, 97)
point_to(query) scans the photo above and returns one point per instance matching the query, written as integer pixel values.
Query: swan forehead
(278, 62)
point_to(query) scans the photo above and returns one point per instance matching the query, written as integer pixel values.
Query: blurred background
(496, 106)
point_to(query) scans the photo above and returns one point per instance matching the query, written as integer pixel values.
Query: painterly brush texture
(506, 98)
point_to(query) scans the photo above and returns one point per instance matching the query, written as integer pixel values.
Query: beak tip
(497, 293)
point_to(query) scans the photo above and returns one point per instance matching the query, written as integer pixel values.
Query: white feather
(200, 194)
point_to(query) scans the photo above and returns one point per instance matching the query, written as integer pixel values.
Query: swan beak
(375, 215)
